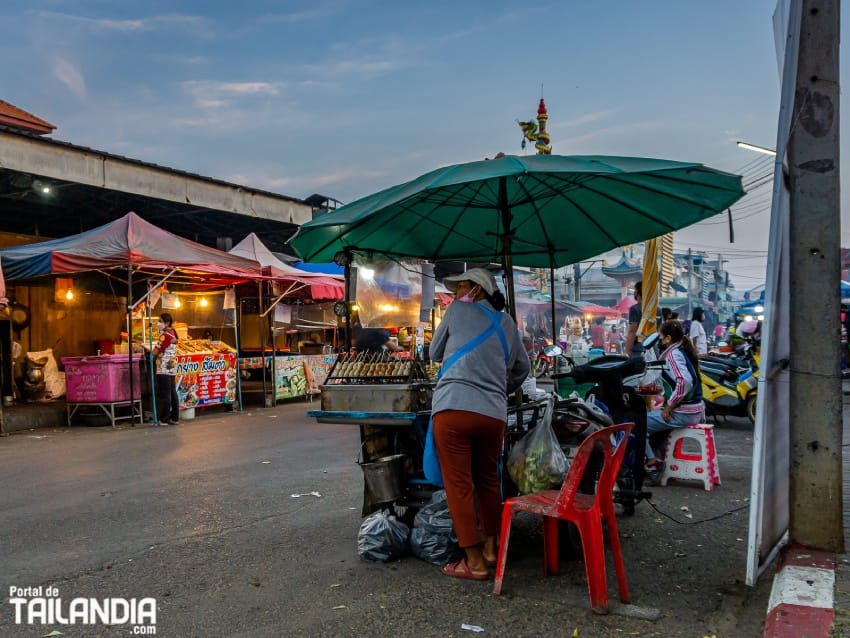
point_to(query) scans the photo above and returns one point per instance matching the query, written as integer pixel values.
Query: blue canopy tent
(325, 269)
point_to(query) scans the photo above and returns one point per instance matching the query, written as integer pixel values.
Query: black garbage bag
(438, 549)
(433, 538)
(435, 515)
(382, 537)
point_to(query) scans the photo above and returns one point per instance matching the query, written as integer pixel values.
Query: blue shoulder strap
(495, 326)
(496, 320)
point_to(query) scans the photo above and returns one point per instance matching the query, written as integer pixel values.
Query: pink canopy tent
(136, 245)
(127, 242)
(299, 283)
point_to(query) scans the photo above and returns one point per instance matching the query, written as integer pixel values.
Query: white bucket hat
(480, 276)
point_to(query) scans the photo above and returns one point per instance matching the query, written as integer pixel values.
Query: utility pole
(717, 271)
(815, 381)
(690, 281)
(577, 280)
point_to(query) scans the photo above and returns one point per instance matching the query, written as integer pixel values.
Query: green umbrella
(537, 210)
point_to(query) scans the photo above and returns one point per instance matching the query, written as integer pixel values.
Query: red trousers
(468, 446)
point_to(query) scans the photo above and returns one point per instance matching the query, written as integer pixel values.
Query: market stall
(207, 366)
(503, 210)
(288, 302)
(135, 256)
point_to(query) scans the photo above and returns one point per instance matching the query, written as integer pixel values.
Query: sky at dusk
(345, 98)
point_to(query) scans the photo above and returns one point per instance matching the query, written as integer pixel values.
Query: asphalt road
(202, 518)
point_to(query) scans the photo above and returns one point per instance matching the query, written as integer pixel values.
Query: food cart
(207, 367)
(101, 384)
(389, 398)
(388, 395)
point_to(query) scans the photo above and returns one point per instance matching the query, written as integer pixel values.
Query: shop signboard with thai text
(206, 379)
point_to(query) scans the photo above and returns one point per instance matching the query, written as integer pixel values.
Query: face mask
(468, 297)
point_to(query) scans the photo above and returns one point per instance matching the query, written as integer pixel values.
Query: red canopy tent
(601, 311)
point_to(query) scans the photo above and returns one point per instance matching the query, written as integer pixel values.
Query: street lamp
(757, 149)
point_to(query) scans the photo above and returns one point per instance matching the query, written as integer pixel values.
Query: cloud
(368, 57)
(70, 76)
(524, 16)
(364, 67)
(619, 131)
(212, 95)
(301, 16)
(282, 184)
(585, 119)
(128, 25)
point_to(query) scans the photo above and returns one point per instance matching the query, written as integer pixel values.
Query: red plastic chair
(587, 511)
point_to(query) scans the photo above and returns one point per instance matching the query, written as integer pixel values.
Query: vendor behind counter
(373, 340)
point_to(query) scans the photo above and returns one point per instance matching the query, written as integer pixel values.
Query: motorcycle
(618, 385)
(541, 362)
(730, 383)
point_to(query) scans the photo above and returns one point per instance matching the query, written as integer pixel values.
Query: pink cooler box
(103, 379)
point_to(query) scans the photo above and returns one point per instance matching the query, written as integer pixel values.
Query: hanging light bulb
(69, 294)
(204, 302)
(176, 301)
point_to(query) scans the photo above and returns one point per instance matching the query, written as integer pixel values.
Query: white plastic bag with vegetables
(537, 462)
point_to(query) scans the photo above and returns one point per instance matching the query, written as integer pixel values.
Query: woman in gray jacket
(483, 362)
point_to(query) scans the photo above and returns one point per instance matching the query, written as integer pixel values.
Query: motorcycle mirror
(553, 351)
(650, 341)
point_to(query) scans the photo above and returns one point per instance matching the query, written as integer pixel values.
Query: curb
(802, 597)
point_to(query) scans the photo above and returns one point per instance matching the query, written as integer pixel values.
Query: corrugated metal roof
(124, 158)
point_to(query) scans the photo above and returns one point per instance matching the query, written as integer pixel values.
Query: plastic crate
(103, 379)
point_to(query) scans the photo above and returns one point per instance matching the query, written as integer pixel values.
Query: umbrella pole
(509, 285)
(347, 280)
(507, 260)
(552, 298)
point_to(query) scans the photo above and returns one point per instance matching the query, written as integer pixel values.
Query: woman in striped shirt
(683, 405)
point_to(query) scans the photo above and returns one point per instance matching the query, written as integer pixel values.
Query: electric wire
(704, 520)
(759, 163)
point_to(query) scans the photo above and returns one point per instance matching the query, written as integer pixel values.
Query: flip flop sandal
(460, 569)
